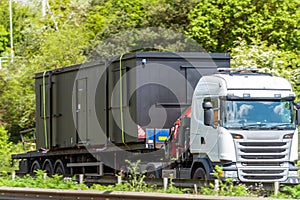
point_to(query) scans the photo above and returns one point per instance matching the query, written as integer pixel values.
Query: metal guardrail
(47, 194)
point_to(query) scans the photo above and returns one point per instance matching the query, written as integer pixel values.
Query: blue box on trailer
(156, 137)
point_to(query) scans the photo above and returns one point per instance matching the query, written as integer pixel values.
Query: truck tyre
(35, 166)
(200, 174)
(48, 167)
(59, 168)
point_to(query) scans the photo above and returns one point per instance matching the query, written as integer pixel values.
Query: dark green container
(81, 104)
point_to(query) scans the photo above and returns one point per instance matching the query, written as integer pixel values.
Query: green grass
(135, 182)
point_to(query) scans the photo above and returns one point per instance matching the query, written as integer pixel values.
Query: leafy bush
(289, 192)
(226, 187)
(271, 59)
(41, 181)
(7, 148)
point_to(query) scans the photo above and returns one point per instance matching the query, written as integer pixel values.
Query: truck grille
(262, 161)
(262, 156)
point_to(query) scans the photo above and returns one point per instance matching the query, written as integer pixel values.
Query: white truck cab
(246, 122)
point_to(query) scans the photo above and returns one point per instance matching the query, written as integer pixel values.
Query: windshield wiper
(280, 126)
(254, 125)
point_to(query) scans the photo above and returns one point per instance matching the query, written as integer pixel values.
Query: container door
(81, 110)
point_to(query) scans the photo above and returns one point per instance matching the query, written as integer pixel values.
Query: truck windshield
(259, 115)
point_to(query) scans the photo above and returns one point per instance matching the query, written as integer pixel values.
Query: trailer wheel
(35, 166)
(200, 174)
(59, 168)
(48, 167)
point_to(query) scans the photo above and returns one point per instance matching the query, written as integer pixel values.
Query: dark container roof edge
(186, 55)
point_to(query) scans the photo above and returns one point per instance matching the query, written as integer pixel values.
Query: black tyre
(35, 166)
(200, 174)
(59, 168)
(48, 167)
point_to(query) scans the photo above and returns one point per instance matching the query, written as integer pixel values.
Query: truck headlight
(288, 136)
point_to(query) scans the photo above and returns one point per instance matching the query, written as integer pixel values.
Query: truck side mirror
(208, 113)
(297, 104)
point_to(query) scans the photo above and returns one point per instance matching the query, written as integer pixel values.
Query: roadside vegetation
(135, 182)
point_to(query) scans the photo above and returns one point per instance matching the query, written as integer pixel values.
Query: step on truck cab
(244, 121)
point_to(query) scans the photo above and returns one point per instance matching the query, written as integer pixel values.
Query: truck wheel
(35, 166)
(48, 167)
(200, 174)
(59, 168)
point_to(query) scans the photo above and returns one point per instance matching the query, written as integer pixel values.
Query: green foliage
(113, 16)
(147, 39)
(135, 181)
(22, 17)
(126, 26)
(17, 98)
(171, 14)
(226, 187)
(41, 181)
(258, 54)
(136, 178)
(290, 192)
(3, 39)
(7, 148)
(57, 50)
(216, 25)
(42, 48)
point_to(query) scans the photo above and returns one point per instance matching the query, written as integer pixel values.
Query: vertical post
(165, 184)
(217, 185)
(276, 188)
(11, 32)
(195, 187)
(44, 176)
(13, 175)
(80, 178)
(119, 179)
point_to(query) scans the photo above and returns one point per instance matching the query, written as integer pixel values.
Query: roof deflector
(241, 71)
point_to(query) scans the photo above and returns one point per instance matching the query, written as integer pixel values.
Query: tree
(122, 26)
(22, 18)
(6, 149)
(114, 16)
(170, 14)
(41, 47)
(3, 39)
(270, 59)
(216, 25)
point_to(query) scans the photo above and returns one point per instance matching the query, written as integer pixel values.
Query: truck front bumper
(232, 171)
